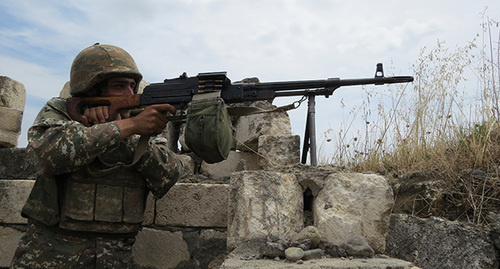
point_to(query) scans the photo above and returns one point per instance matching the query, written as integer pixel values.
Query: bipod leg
(305, 146)
(310, 133)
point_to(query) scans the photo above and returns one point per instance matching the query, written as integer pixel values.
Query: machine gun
(178, 92)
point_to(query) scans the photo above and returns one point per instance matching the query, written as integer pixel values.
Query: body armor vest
(111, 202)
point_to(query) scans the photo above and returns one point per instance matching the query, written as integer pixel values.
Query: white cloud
(39, 81)
(273, 40)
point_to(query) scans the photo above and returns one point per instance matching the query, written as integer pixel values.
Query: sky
(274, 40)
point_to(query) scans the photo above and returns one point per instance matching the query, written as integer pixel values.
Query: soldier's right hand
(151, 121)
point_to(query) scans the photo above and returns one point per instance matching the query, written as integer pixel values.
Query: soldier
(88, 201)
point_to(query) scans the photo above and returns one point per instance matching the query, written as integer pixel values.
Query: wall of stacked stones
(187, 227)
(259, 191)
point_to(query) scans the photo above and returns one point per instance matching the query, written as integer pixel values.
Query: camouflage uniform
(88, 200)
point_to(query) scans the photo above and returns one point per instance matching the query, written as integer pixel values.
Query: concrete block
(188, 165)
(264, 203)
(160, 249)
(10, 126)
(248, 129)
(12, 93)
(9, 238)
(279, 151)
(194, 205)
(236, 161)
(353, 204)
(12, 99)
(149, 212)
(13, 195)
(17, 163)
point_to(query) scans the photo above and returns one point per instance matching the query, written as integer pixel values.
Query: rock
(272, 250)
(495, 230)
(333, 250)
(278, 151)
(354, 204)
(309, 233)
(294, 254)
(248, 129)
(357, 246)
(313, 254)
(304, 244)
(12, 100)
(263, 203)
(439, 243)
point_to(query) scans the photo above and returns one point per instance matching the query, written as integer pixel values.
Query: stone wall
(261, 192)
(186, 228)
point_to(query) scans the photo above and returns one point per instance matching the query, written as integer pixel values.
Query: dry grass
(447, 121)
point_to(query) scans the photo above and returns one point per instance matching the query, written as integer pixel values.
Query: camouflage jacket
(64, 146)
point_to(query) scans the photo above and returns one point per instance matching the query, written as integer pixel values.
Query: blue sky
(268, 39)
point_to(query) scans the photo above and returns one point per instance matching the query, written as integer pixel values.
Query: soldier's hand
(95, 115)
(151, 121)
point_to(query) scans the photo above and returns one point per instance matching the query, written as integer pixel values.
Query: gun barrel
(290, 85)
(269, 90)
(376, 80)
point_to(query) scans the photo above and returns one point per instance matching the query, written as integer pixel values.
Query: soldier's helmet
(98, 63)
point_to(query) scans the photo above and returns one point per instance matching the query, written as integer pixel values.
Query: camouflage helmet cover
(98, 63)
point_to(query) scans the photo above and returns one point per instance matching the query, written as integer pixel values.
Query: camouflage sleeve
(160, 167)
(63, 145)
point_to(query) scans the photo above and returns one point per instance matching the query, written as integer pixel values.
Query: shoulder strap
(142, 145)
(249, 110)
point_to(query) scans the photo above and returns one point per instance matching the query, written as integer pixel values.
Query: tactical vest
(111, 202)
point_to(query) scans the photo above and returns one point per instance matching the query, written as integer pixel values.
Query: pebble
(294, 254)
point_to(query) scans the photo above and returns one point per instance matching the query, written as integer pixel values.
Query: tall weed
(446, 121)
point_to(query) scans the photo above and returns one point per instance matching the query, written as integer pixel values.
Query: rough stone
(357, 246)
(333, 250)
(495, 230)
(236, 161)
(188, 165)
(277, 151)
(202, 205)
(9, 239)
(206, 247)
(272, 250)
(311, 233)
(12, 93)
(294, 254)
(64, 93)
(160, 249)
(12, 99)
(13, 195)
(248, 129)
(313, 254)
(149, 211)
(354, 204)
(262, 204)
(439, 243)
(17, 163)
(10, 126)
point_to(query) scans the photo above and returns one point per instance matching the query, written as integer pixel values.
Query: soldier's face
(119, 86)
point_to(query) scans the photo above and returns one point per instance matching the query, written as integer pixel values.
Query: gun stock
(76, 105)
